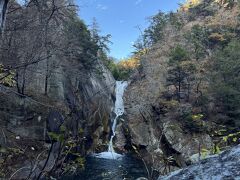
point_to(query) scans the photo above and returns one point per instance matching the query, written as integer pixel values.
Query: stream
(127, 168)
(110, 165)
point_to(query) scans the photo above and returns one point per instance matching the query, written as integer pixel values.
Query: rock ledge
(223, 166)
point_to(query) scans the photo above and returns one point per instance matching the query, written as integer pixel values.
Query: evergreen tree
(198, 37)
(101, 41)
(180, 69)
(225, 82)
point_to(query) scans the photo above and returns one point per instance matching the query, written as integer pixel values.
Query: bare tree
(33, 34)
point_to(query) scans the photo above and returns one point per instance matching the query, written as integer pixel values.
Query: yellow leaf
(235, 139)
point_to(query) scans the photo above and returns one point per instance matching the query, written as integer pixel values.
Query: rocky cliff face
(154, 125)
(62, 95)
(82, 98)
(79, 100)
(59, 77)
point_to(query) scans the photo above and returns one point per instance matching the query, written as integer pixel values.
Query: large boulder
(223, 166)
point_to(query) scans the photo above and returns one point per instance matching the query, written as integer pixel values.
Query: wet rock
(120, 140)
(223, 166)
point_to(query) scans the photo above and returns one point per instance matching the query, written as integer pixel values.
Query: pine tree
(180, 69)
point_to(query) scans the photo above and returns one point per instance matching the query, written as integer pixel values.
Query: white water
(118, 110)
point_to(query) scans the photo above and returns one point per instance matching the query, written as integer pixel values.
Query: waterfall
(118, 110)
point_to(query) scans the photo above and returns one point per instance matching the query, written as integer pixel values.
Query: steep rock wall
(83, 98)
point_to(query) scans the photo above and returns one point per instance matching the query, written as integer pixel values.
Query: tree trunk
(179, 85)
(3, 10)
(47, 61)
(46, 79)
(23, 80)
(17, 80)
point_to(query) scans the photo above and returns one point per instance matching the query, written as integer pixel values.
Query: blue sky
(120, 18)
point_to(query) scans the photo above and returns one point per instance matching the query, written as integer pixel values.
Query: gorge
(169, 111)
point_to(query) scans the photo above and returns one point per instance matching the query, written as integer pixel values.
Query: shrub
(7, 76)
(193, 122)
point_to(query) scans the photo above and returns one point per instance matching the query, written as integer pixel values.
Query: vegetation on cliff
(188, 83)
(55, 90)
(203, 67)
(123, 69)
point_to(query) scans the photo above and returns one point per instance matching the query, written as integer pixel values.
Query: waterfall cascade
(118, 110)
